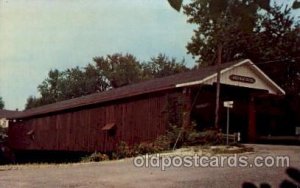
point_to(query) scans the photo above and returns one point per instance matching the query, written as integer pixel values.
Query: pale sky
(39, 35)
(36, 36)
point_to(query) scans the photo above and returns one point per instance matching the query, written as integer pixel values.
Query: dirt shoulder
(123, 173)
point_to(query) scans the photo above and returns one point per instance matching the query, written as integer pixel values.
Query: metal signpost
(228, 105)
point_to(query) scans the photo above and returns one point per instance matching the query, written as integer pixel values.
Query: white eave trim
(281, 91)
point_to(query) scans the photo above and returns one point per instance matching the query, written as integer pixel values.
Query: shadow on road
(293, 173)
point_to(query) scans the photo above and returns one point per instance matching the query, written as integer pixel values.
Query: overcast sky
(36, 36)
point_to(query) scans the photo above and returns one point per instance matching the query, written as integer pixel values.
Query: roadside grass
(201, 150)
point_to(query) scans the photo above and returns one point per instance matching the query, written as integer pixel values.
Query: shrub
(144, 148)
(96, 157)
(188, 137)
(162, 143)
(211, 137)
(122, 151)
(175, 134)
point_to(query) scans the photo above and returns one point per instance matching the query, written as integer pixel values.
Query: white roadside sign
(228, 104)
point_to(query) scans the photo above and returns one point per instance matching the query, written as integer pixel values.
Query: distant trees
(162, 66)
(112, 71)
(68, 84)
(1, 103)
(119, 70)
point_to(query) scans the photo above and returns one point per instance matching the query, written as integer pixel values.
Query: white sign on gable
(242, 74)
(241, 78)
(247, 75)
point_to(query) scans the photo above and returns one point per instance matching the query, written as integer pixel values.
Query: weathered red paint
(136, 120)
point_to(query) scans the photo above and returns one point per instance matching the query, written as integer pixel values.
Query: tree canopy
(161, 66)
(119, 69)
(263, 32)
(107, 72)
(244, 28)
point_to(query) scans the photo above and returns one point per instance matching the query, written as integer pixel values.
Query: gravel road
(123, 173)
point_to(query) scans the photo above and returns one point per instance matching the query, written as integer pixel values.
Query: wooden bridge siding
(136, 120)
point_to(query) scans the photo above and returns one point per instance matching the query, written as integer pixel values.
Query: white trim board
(244, 68)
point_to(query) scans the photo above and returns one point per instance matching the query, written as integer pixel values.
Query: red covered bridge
(141, 112)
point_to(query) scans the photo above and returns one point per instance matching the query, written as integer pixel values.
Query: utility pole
(219, 60)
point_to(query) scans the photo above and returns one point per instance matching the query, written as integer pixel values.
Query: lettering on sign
(239, 78)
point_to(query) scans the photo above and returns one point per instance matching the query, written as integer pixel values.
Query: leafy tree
(269, 36)
(1, 103)
(71, 83)
(49, 87)
(122, 70)
(278, 45)
(162, 66)
(246, 29)
(78, 82)
(277, 37)
(118, 69)
(229, 23)
(33, 101)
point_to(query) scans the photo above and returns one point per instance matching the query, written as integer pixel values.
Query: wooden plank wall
(136, 120)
